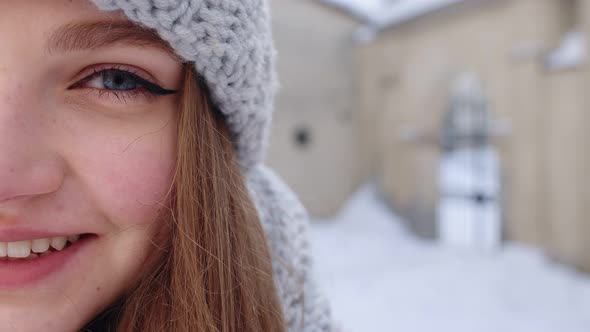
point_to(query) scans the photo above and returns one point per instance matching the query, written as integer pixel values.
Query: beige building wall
(564, 143)
(319, 100)
(406, 77)
(566, 159)
(584, 181)
(378, 109)
(422, 58)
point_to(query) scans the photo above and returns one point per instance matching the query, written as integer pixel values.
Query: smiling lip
(23, 272)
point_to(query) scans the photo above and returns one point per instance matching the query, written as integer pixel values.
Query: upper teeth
(22, 249)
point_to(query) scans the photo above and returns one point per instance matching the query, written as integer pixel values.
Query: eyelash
(146, 88)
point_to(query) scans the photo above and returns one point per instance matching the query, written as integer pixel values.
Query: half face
(87, 149)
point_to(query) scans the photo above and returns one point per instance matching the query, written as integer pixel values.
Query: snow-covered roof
(572, 52)
(384, 13)
(361, 9)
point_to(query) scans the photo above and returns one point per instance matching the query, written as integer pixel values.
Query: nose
(28, 168)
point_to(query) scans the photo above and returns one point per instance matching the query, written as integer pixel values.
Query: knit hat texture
(230, 44)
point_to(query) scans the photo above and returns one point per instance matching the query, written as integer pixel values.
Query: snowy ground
(380, 278)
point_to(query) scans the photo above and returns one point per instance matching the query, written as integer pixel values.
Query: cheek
(128, 178)
(138, 183)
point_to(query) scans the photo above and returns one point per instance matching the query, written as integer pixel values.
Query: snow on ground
(378, 277)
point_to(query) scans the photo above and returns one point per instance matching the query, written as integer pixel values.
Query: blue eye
(121, 80)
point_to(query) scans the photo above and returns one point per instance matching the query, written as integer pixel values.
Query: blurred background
(440, 147)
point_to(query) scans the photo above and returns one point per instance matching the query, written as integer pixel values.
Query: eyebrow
(101, 34)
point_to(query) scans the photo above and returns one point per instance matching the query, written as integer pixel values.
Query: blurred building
(315, 131)
(370, 83)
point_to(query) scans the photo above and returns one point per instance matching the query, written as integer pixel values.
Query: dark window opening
(302, 137)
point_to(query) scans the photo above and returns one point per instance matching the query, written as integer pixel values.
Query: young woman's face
(87, 146)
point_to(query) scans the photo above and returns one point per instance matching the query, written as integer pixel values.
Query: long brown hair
(214, 273)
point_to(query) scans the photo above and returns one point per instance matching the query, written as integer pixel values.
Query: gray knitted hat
(230, 44)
